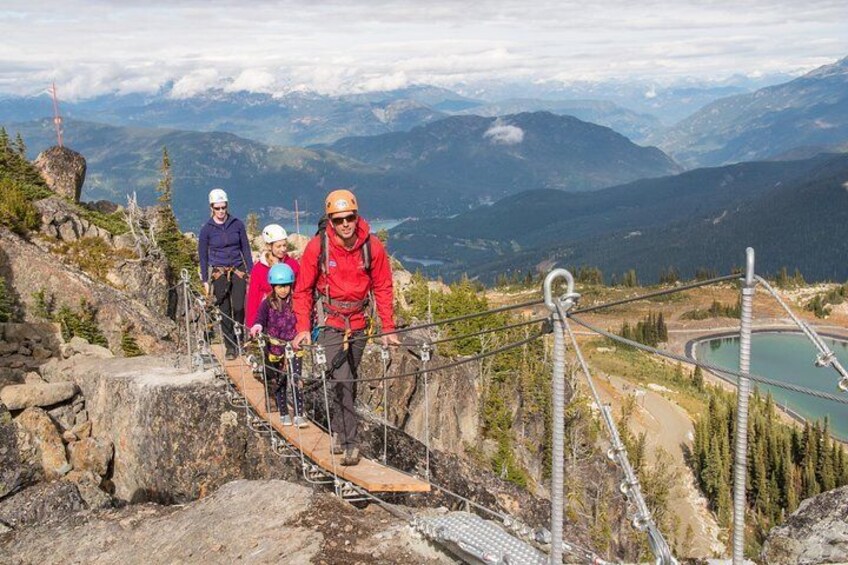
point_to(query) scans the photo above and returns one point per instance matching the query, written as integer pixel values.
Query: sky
(100, 46)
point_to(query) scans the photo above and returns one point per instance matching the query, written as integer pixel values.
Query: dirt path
(667, 426)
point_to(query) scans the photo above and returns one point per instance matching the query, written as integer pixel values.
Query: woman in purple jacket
(225, 262)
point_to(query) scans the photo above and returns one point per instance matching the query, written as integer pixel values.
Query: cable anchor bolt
(424, 352)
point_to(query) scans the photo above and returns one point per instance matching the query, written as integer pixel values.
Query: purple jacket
(277, 323)
(223, 245)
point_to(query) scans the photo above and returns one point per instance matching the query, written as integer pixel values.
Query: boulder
(63, 416)
(63, 170)
(43, 503)
(18, 397)
(82, 347)
(88, 485)
(40, 444)
(10, 376)
(817, 532)
(10, 463)
(175, 436)
(92, 454)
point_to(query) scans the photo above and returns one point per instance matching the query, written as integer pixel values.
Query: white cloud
(504, 134)
(195, 82)
(112, 45)
(252, 80)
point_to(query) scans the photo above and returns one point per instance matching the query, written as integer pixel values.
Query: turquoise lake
(788, 358)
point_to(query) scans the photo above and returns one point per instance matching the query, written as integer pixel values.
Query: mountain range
(809, 112)
(793, 213)
(435, 170)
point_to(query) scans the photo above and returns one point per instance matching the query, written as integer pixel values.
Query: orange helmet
(341, 201)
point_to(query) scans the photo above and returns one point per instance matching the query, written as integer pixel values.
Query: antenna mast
(57, 119)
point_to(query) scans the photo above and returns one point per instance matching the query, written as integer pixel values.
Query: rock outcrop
(244, 521)
(33, 269)
(817, 532)
(63, 170)
(175, 437)
(40, 445)
(18, 397)
(10, 463)
(46, 503)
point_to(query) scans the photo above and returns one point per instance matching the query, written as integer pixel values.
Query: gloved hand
(255, 330)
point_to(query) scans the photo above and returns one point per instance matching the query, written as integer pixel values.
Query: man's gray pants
(343, 366)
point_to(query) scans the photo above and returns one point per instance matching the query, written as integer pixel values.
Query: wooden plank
(313, 441)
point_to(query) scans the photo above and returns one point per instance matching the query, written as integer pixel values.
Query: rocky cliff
(817, 532)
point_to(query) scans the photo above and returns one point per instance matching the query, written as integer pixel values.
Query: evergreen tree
(20, 147)
(179, 252)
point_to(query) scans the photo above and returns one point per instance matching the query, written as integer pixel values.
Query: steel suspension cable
(648, 295)
(709, 366)
(631, 488)
(452, 364)
(826, 356)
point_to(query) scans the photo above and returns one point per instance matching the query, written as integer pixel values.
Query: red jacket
(259, 287)
(348, 280)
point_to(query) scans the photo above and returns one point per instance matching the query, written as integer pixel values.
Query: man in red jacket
(338, 277)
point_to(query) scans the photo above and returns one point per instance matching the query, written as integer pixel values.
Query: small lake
(787, 357)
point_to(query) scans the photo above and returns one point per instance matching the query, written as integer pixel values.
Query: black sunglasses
(224, 207)
(339, 221)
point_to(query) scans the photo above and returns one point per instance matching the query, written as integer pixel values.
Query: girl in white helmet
(225, 262)
(276, 251)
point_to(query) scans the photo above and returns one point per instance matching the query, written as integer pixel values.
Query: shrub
(81, 323)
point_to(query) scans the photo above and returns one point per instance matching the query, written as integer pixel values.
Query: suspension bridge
(500, 538)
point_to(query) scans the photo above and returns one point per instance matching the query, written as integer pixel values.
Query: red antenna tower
(57, 119)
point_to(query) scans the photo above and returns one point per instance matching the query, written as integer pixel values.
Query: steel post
(740, 463)
(558, 384)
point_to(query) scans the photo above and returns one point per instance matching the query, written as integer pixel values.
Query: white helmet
(217, 195)
(274, 232)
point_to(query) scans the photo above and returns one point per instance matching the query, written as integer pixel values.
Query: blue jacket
(223, 245)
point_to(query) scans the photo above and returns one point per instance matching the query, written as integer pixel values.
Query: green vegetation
(129, 345)
(45, 304)
(521, 373)
(716, 310)
(786, 465)
(821, 303)
(114, 223)
(92, 255)
(81, 323)
(6, 309)
(783, 280)
(178, 250)
(650, 331)
(20, 186)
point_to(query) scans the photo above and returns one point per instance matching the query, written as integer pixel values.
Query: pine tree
(165, 185)
(129, 345)
(698, 378)
(20, 147)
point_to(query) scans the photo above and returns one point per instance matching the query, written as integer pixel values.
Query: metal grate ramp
(476, 540)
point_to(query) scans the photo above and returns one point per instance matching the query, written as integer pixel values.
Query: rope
(714, 368)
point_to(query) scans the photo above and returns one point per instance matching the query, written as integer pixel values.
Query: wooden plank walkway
(314, 442)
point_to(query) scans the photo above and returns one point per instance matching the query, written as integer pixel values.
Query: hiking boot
(230, 355)
(351, 456)
(337, 446)
(285, 420)
(301, 421)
